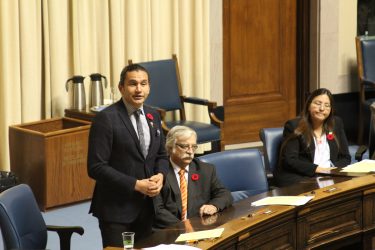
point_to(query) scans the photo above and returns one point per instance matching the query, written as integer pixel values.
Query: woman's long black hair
(304, 128)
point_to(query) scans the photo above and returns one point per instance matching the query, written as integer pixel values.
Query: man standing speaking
(127, 159)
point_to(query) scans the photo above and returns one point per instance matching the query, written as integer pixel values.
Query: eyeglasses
(186, 147)
(320, 104)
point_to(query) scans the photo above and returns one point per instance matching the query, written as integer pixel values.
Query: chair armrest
(210, 106)
(199, 101)
(162, 113)
(360, 151)
(368, 82)
(65, 234)
(195, 100)
(215, 120)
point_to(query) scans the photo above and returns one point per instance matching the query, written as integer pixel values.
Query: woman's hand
(322, 170)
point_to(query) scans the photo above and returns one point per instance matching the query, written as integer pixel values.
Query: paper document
(199, 235)
(283, 200)
(363, 166)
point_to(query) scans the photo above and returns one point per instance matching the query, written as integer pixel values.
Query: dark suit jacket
(206, 190)
(115, 161)
(297, 159)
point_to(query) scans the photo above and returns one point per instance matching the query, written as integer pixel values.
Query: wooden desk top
(238, 218)
(348, 200)
(85, 115)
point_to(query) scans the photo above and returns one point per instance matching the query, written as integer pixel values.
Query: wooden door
(260, 54)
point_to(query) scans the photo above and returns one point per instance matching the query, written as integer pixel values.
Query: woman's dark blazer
(296, 158)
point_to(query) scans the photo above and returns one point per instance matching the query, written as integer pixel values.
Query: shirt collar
(176, 168)
(131, 109)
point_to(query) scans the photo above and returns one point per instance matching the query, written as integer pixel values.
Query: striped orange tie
(188, 227)
(183, 190)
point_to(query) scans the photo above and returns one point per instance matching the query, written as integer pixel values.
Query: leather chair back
(365, 48)
(164, 91)
(368, 59)
(166, 95)
(371, 139)
(21, 221)
(241, 171)
(272, 139)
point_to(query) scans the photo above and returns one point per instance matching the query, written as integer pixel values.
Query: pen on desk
(312, 193)
(192, 241)
(332, 189)
(264, 212)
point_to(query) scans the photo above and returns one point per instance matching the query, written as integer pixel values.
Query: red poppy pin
(150, 118)
(330, 136)
(195, 177)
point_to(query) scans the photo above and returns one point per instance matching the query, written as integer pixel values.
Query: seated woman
(313, 143)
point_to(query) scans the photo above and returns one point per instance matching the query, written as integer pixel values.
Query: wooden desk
(51, 157)
(339, 215)
(85, 115)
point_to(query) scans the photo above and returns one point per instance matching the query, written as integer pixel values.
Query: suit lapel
(151, 127)
(175, 188)
(192, 186)
(309, 150)
(332, 148)
(312, 150)
(123, 113)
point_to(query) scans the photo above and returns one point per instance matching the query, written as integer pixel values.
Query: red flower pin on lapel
(330, 136)
(150, 118)
(195, 177)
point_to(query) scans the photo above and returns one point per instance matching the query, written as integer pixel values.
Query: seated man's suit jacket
(205, 189)
(297, 159)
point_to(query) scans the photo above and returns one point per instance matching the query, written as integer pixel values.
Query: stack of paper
(283, 200)
(199, 235)
(363, 166)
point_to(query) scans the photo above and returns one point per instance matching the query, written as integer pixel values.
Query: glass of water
(128, 239)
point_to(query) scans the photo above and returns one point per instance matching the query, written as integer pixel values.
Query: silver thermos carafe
(76, 92)
(96, 89)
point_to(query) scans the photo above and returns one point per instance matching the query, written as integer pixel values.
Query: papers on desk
(363, 166)
(283, 200)
(200, 235)
(171, 247)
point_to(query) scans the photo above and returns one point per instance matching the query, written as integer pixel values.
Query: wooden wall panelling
(368, 218)
(259, 66)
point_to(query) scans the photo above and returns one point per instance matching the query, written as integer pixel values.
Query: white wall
(334, 27)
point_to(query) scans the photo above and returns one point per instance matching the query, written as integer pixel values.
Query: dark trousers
(142, 226)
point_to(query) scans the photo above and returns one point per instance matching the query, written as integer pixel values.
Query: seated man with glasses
(191, 187)
(313, 143)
